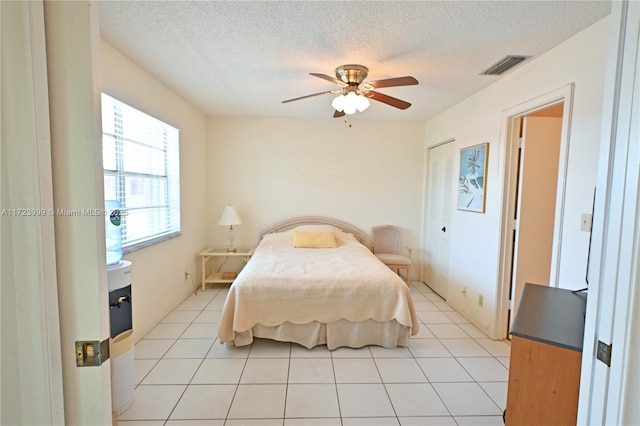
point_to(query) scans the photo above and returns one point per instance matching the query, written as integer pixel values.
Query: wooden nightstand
(214, 274)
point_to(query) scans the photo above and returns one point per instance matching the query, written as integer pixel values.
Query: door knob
(444, 229)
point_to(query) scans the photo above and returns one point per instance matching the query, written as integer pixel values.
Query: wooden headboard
(288, 224)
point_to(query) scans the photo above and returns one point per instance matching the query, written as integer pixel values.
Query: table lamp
(229, 218)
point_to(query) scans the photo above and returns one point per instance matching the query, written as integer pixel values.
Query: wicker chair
(387, 246)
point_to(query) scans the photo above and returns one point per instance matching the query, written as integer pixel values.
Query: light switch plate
(585, 222)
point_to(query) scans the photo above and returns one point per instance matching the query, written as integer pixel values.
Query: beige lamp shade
(229, 217)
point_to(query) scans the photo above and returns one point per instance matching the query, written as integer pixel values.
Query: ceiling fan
(354, 93)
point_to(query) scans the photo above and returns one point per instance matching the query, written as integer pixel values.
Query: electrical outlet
(585, 222)
(480, 300)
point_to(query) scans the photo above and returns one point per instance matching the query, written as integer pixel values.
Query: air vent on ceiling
(504, 64)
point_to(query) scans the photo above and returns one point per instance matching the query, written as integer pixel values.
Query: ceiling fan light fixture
(339, 102)
(362, 103)
(350, 103)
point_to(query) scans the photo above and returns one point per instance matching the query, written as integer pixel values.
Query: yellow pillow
(318, 239)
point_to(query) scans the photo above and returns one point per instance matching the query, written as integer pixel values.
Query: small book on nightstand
(229, 275)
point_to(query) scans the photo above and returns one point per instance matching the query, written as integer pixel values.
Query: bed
(301, 287)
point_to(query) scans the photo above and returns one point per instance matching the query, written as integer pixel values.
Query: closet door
(440, 199)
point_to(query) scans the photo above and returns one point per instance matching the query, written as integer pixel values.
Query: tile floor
(451, 374)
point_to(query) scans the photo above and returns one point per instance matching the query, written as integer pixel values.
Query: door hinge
(604, 353)
(91, 353)
(521, 143)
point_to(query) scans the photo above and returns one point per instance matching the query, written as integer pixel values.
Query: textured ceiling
(243, 58)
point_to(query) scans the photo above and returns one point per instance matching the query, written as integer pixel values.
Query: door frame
(508, 139)
(33, 320)
(608, 394)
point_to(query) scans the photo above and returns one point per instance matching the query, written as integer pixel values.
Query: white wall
(158, 271)
(479, 118)
(273, 169)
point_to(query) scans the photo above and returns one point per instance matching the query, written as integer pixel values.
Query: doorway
(534, 212)
(536, 150)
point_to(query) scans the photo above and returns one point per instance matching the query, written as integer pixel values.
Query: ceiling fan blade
(328, 92)
(393, 82)
(386, 99)
(338, 114)
(329, 78)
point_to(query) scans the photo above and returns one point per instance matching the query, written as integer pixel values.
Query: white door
(440, 198)
(536, 204)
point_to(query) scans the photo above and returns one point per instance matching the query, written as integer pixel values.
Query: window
(141, 170)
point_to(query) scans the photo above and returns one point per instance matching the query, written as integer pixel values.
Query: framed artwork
(472, 182)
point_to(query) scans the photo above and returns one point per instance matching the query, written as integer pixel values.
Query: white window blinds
(141, 171)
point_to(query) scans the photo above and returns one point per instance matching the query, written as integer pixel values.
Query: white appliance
(122, 379)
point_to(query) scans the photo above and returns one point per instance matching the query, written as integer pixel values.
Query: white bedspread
(298, 285)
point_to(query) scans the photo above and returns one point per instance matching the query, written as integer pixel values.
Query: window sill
(147, 243)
